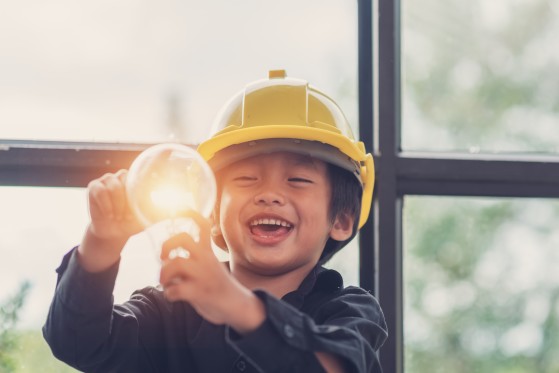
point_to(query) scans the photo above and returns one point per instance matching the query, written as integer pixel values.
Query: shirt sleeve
(82, 328)
(349, 325)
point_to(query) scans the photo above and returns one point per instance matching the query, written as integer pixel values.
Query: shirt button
(289, 332)
(241, 365)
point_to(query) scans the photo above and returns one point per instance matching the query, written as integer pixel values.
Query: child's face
(274, 212)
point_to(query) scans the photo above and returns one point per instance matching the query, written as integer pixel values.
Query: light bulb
(164, 182)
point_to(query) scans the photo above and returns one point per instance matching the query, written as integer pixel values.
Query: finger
(204, 225)
(172, 271)
(117, 194)
(128, 213)
(99, 200)
(178, 290)
(182, 240)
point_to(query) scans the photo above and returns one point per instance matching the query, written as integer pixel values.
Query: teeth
(270, 222)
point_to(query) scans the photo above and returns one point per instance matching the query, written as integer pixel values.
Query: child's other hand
(111, 217)
(206, 283)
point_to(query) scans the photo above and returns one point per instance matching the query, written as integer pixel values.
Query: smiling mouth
(270, 227)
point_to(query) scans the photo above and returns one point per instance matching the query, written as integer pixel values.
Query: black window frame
(398, 173)
(401, 173)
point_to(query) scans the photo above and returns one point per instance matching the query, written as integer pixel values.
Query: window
(468, 173)
(85, 87)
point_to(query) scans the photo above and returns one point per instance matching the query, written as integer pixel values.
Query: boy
(294, 188)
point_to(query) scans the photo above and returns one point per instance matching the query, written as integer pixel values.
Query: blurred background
(481, 285)
(480, 280)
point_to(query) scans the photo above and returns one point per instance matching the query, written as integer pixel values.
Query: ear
(215, 232)
(342, 228)
(217, 237)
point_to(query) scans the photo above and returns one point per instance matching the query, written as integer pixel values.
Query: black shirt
(150, 334)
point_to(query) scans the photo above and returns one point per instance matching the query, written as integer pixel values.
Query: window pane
(157, 71)
(481, 286)
(480, 76)
(346, 261)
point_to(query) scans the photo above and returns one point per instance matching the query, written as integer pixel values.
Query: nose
(269, 196)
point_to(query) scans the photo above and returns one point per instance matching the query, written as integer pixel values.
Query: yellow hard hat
(287, 114)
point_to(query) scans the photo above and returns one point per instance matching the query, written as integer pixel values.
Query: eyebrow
(305, 160)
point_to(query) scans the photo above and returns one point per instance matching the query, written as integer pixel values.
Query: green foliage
(478, 75)
(477, 300)
(33, 355)
(23, 351)
(9, 316)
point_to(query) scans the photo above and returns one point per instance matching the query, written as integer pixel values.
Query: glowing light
(166, 180)
(172, 199)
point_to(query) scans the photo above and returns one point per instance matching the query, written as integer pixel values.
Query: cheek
(227, 211)
(318, 204)
(224, 204)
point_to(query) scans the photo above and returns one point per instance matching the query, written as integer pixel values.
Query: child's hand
(206, 283)
(111, 217)
(112, 222)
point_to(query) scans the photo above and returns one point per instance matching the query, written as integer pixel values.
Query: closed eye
(299, 180)
(244, 180)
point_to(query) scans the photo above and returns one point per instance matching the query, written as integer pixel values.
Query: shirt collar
(318, 279)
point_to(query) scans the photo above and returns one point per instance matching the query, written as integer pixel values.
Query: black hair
(345, 199)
